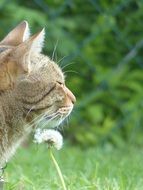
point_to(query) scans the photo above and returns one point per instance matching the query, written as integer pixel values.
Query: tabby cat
(32, 89)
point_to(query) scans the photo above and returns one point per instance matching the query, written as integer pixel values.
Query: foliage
(120, 169)
(102, 40)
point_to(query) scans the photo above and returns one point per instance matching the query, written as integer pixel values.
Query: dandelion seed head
(50, 136)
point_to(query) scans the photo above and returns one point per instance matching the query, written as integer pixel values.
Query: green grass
(93, 169)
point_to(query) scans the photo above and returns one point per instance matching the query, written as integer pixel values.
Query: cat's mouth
(66, 110)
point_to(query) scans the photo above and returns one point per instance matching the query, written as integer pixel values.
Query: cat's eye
(60, 83)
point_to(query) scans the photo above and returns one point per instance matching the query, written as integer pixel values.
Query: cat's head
(38, 83)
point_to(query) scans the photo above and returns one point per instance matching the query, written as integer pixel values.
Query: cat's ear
(33, 44)
(22, 53)
(17, 35)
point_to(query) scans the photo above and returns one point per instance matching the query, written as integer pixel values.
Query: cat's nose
(70, 95)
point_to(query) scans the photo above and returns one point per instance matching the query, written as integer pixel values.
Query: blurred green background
(99, 44)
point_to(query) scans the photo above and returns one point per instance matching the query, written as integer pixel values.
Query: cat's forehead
(46, 68)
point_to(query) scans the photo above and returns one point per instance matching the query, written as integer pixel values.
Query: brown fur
(32, 88)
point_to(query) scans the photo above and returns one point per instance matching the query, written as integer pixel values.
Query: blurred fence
(103, 43)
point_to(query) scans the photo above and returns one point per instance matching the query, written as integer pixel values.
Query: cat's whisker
(67, 65)
(55, 48)
(48, 118)
(60, 121)
(34, 119)
(31, 123)
(61, 118)
(61, 59)
(39, 118)
(48, 121)
(61, 64)
(53, 117)
(51, 114)
(29, 111)
(71, 71)
(67, 121)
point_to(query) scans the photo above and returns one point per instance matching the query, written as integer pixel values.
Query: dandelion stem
(58, 170)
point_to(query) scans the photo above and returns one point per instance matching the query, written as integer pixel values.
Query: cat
(32, 89)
